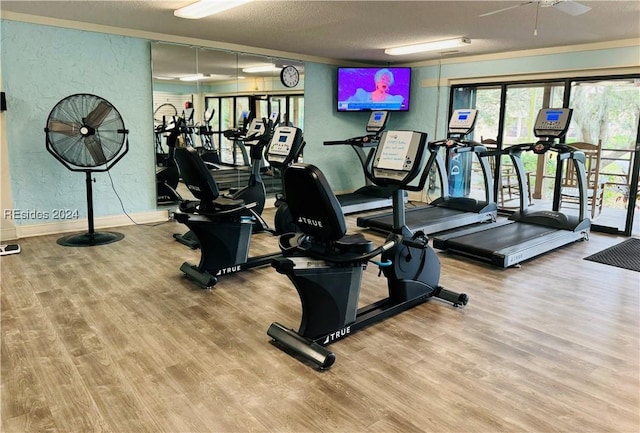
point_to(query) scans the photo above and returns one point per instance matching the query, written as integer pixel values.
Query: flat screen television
(379, 88)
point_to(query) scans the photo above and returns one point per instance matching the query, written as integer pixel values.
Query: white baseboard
(8, 234)
(30, 230)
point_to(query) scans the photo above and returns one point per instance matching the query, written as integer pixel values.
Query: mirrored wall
(209, 92)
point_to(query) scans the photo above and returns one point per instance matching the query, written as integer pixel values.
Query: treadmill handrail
(461, 146)
(564, 152)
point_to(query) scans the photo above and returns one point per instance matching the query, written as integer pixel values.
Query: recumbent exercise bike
(223, 225)
(326, 267)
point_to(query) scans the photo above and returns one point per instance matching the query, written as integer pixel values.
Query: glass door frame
(635, 170)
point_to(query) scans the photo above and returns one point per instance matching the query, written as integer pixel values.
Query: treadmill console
(377, 121)
(462, 121)
(285, 139)
(399, 156)
(552, 122)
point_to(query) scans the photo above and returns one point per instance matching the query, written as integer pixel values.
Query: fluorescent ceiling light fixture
(205, 77)
(195, 77)
(428, 46)
(261, 68)
(204, 8)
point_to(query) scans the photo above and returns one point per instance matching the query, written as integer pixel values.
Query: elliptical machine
(326, 267)
(167, 176)
(208, 150)
(257, 137)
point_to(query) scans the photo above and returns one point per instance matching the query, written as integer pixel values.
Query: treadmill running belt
(498, 238)
(414, 218)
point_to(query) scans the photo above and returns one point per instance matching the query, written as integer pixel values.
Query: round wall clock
(289, 76)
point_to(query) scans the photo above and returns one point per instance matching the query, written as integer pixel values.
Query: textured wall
(42, 65)
(322, 123)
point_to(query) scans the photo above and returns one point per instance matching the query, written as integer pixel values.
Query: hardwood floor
(114, 339)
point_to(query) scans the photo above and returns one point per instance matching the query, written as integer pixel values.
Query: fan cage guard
(86, 133)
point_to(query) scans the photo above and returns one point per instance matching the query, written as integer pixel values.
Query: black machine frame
(527, 234)
(446, 212)
(222, 225)
(326, 267)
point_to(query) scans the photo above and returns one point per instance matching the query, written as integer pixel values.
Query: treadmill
(446, 212)
(529, 234)
(370, 196)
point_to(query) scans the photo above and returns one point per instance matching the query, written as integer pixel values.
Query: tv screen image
(380, 88)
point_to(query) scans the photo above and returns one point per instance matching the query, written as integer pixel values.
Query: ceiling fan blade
(67, 128)
(97, 116)
(571, 7)
(95, 149)
(505, 9)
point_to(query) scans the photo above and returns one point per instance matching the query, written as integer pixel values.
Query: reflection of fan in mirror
(86, 133)
(165, 113)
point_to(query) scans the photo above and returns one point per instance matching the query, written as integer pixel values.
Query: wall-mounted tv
(380, 88)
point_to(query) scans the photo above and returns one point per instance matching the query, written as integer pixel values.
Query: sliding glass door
(606, 113)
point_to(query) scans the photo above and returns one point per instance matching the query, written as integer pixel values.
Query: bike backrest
(195, 174)
(313, 205)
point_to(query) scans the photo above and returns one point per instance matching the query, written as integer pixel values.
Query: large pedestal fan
(86, 133)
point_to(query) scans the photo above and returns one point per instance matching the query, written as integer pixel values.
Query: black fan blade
(95, 149)
(97, 116)
(67, 128)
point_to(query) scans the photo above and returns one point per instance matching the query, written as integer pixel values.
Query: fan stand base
(90, 239)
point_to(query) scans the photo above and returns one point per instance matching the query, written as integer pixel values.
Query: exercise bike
(326, 267)
(223, 225)
(259, 136)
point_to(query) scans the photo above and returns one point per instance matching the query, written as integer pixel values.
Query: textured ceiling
(360, 30)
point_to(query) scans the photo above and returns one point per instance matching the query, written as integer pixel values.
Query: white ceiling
(358, 31)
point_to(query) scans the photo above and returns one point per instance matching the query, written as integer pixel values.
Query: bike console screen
(398, 157)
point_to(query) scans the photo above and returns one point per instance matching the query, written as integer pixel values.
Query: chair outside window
(569, 193)
(508, 188)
